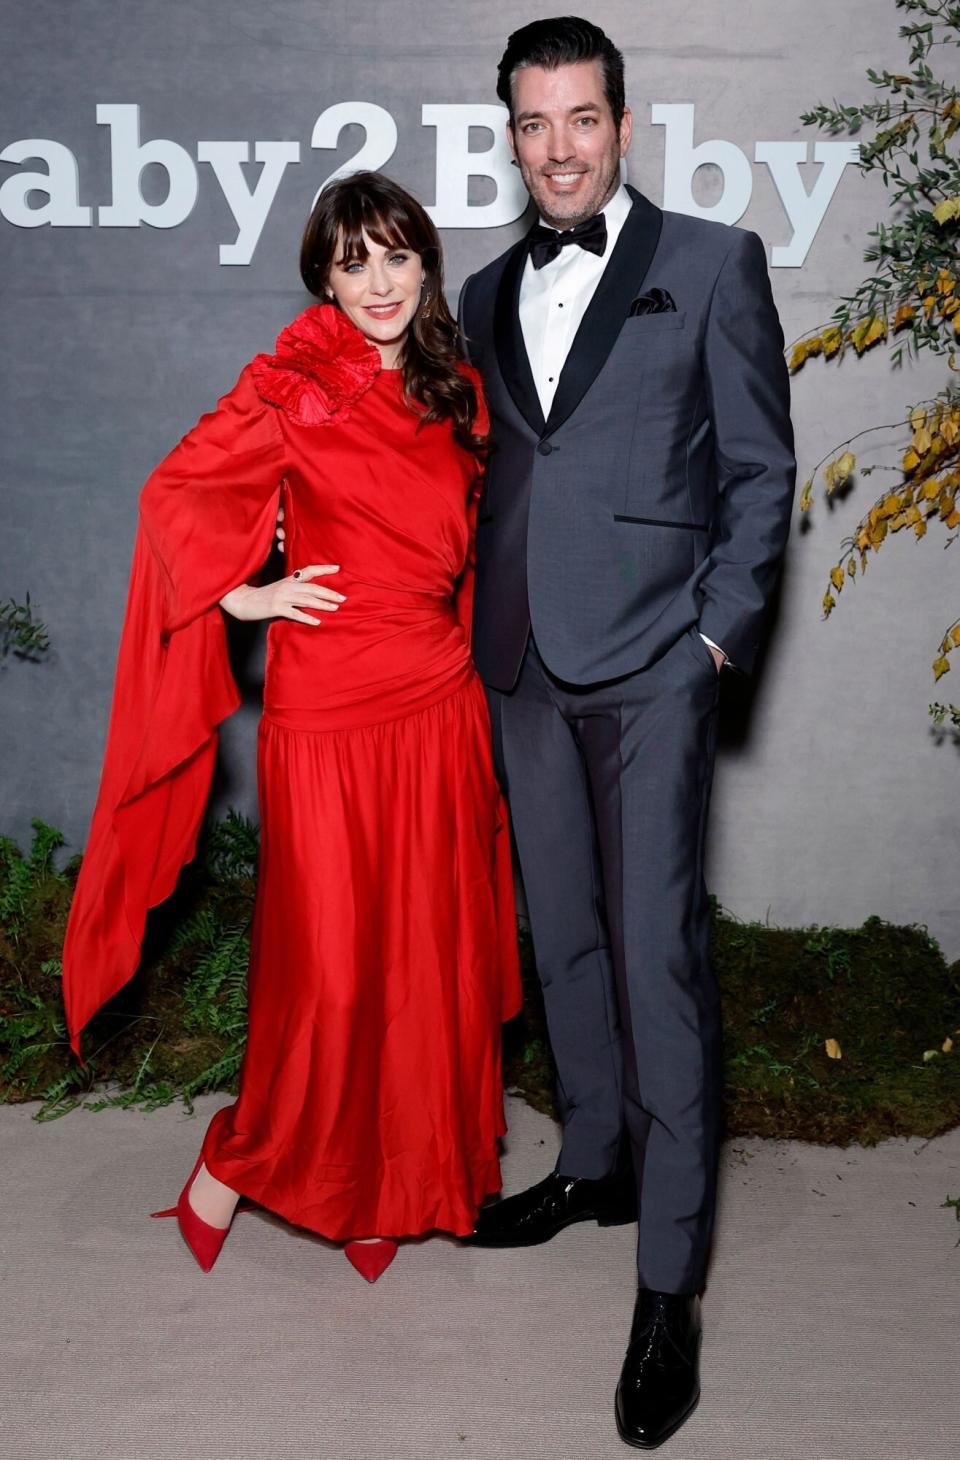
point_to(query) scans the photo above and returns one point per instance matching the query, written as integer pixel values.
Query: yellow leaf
(832, 338)
(928, 304)
(814, 345)
(913, 516)
(941, 667)
(920, 528)
(930, 1054)
(833, 1049)
(829, 603)
(867, 332)
(950, 428)
(922, 441)
(955, 635)
(918, 418)
(953, 520)
(897, 522)
(947, 1045)
(798, 356)
(836, 578)
(890, 505)
(851, 566)
(806, 496)
(905, 313)
(910, 460)
(931, 489)
(835, 473)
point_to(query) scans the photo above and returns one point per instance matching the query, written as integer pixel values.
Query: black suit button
(544, 448)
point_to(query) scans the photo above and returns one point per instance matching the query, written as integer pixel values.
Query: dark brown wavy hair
(368, 202)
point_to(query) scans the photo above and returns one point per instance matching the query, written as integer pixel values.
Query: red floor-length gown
(383, 952)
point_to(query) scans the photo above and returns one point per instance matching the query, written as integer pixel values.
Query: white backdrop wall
(832, 800)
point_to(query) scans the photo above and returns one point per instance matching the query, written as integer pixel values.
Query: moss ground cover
(830, 1034)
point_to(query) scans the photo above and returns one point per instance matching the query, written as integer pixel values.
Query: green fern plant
(232, 847)
(21, 876)
(20, 632)
(178, 1029)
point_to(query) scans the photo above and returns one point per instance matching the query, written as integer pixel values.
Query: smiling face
(565, 141)
(379, 293)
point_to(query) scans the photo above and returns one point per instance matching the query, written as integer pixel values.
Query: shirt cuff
(714, 646)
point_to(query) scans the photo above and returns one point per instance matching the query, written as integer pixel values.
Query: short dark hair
(563, 40)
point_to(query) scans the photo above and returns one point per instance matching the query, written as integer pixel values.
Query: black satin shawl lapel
(603, 320)
(508, 340)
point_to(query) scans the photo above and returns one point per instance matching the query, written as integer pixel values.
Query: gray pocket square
(658, 301)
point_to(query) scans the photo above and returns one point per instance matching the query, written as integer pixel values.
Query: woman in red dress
(383, 956)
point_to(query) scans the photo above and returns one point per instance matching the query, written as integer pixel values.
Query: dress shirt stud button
(544, 448)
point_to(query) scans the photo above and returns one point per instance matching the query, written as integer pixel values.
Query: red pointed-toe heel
(203, 1240)
(371, 1259)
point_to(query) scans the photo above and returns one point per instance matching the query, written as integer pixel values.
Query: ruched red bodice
(388, 502)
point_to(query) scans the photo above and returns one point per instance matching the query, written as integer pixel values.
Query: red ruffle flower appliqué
(322, 366)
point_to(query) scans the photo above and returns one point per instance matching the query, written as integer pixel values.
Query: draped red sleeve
(463, 594)
(207, 517)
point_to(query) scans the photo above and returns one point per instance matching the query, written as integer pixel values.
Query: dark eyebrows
(585, 106)
(357, 258)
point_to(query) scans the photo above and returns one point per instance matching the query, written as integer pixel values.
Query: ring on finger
(297, 574)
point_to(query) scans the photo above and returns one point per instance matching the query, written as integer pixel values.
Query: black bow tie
(546, 243)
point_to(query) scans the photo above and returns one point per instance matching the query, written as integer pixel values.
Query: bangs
(365, 203)
(360, 216)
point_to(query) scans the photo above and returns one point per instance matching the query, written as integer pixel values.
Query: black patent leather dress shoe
(540, 1212)
(660, 1381)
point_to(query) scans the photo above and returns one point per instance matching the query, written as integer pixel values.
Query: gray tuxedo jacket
(657, 495)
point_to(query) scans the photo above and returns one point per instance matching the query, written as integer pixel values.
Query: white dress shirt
(554, 299)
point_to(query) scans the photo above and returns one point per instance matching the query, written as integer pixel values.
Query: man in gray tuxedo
(635, 512)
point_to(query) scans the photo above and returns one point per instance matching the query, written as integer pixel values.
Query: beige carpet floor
(831, 1320)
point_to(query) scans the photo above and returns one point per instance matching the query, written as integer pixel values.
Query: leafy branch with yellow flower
(910, 303)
